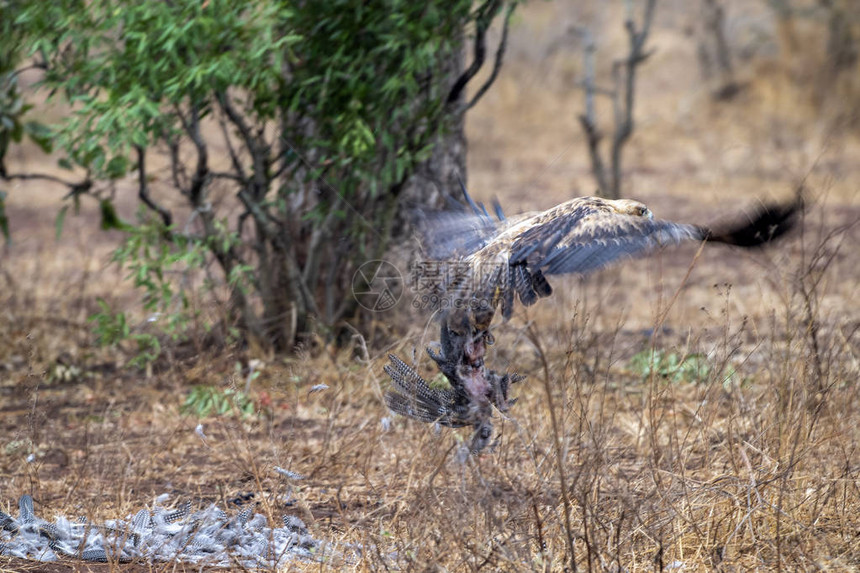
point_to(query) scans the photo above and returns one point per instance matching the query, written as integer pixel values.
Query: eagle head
(631, 207)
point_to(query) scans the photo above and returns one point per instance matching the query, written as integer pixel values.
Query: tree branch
(198, 180)
(500, 54)
(593, 137)
(486, 13)
(33, 66)
(177, 167)
(259, 153)
(588, 120)
(622, 99)
(143, 189)
(234, 157)
(590, 81)
(236, 118)
(624, 116)
(74, 187)
(321, 233)
(227, 175)
(268, 227)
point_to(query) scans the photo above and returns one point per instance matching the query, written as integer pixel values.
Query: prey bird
(497, 261)
(457, 407)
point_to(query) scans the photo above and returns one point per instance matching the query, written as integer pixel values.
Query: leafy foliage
(112, 329)
(13, 107)
(303, 119)
(677, 368)
(204, 401)
(352, 68)
(152, 260)
(671, 366)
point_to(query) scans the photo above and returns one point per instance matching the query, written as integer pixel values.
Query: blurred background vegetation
(262, 152)
(274, 139)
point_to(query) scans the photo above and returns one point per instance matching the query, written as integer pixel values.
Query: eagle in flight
(497, 261)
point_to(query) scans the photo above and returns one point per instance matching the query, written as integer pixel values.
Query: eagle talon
(437, 357)
(481, 437)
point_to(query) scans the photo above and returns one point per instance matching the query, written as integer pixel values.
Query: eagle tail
(762, 226)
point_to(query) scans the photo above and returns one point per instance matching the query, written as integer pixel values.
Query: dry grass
(752, 466)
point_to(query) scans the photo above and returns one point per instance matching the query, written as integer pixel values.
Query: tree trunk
(842, 49)
(436, 180)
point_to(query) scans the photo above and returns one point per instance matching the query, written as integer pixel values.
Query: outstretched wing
(589, 233)
(579, 236)
(458, 232)
(450, 235)
(509, 259)
(585, 237)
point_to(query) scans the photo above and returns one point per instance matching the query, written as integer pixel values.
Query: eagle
(497, 261)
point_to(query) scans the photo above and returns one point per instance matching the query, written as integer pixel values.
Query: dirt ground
(749, 463)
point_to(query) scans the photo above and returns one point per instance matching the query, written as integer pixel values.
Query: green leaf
(117, 167)
(41, 135)
(58, 222)
(110, 218)
(4, 221)
(17, 131)
(350, 92)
